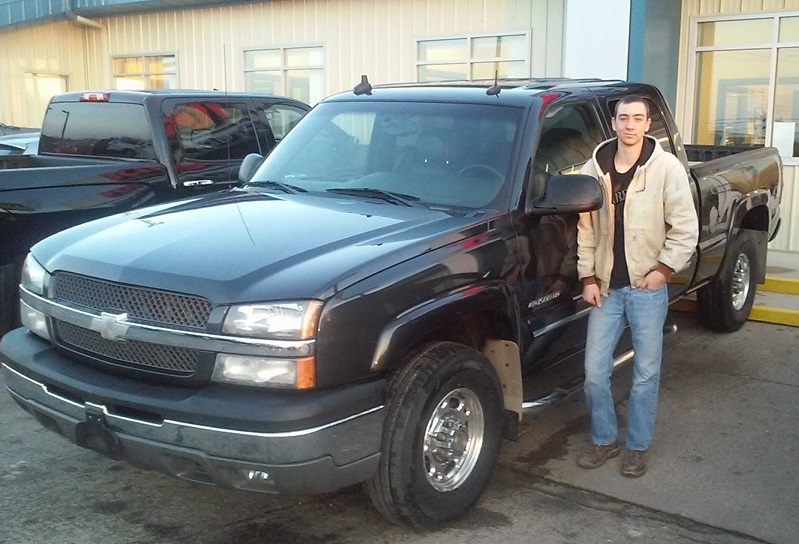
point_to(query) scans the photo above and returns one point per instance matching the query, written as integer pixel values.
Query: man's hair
(631, 99)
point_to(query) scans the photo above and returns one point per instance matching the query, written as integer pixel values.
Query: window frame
(471, 61)
(284, 68)
(774, 47)
(144, 74)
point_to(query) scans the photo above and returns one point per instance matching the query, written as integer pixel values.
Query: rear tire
(441, 437)
(725, 304)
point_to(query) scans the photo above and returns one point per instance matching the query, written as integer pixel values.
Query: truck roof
(142, 96)
(518, 92)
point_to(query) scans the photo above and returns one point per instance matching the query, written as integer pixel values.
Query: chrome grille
(165, 359)
(141, 304)
(147, 306)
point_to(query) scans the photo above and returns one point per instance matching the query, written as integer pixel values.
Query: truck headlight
(296, 373)
(292, 320)
(33, 275)
(33, 279)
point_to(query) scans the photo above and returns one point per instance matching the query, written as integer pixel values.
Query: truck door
(208, 140)
(553, 307)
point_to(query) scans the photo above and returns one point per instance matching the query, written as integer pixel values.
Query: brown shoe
(633, 464)
(597, 454)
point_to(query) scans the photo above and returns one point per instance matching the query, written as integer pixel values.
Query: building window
(746, 90)
(297, 72)
(473, 57)
(39, 89)
(145, 72)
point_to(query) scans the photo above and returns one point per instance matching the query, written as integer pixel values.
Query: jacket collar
(607, 149)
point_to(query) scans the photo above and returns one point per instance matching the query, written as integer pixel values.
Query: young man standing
(627, 252)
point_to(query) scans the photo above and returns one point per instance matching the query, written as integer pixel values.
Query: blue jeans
(645, 311)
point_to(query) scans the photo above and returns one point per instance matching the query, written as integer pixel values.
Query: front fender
(407, 328)
(503, 354)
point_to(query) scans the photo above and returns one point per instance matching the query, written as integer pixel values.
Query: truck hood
(243, 246)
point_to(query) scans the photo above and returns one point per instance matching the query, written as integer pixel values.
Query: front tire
(441, 437)
(725, 304)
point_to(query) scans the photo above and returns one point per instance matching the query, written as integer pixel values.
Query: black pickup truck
(366, 307)
(103, 152)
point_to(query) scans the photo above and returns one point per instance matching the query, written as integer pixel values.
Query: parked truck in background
(105, 152)
(365, 308)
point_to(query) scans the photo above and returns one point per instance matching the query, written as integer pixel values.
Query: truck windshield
(98, 129)
(449, 155)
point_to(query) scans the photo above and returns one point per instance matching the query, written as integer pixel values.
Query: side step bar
(575, 384)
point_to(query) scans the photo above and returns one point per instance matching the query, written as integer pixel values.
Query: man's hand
(653, 281)
(591, 294)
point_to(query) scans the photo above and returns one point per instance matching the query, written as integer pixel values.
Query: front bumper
(254, 440)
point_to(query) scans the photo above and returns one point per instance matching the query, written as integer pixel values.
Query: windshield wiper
(388, 196)
(285, 187)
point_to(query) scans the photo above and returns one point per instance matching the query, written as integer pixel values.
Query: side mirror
(569, 193)
(249, 165)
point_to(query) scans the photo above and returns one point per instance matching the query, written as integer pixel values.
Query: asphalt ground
(722, 471)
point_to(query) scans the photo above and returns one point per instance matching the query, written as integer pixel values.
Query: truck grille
(141, 304)
(153, 357)
(150, 306)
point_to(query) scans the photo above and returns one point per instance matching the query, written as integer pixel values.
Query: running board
(576, 383)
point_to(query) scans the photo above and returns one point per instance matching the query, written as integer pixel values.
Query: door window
(213, 131)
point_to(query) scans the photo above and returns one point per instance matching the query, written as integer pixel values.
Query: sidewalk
(777, 299)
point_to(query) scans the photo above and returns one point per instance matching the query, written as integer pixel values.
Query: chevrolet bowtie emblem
(111, 326)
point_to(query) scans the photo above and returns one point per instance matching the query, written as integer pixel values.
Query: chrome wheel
(741, 276)
(453, 439)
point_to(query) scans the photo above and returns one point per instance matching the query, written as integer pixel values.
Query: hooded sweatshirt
(661, 229)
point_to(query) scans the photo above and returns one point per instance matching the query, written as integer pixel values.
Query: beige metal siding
(788, 238)
(359, 36)
(47, 50)
(376, 37)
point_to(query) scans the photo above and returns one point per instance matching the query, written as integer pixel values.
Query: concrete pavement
(722, 471)
(726, 441)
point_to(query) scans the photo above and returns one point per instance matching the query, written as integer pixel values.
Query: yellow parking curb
(787, 286)
(764, 314)
(779, 316)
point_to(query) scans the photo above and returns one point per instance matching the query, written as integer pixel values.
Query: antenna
(495, 88)
(364, 87)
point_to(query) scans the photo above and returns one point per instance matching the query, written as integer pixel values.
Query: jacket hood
(605, 150)
(246, 246)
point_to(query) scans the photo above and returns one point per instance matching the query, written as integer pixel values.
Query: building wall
(788, 237)
(654, 45)
(374, 37)
(589, 52)
(48, 49)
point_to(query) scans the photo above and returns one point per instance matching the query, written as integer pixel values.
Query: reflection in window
(145, 72)
(296, 72)
(732, 97)
(482, 57)
(747, 83)
(211, 131)
(93, 128)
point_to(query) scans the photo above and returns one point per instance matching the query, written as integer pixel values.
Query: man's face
(631, 123)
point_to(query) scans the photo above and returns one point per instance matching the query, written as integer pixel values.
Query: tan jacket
(660, 221)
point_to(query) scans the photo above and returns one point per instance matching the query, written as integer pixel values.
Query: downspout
(74, 17)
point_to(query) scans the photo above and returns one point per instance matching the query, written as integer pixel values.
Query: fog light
(34, 320)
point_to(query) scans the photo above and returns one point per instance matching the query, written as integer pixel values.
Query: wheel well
(755, 219)
(473, 330)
